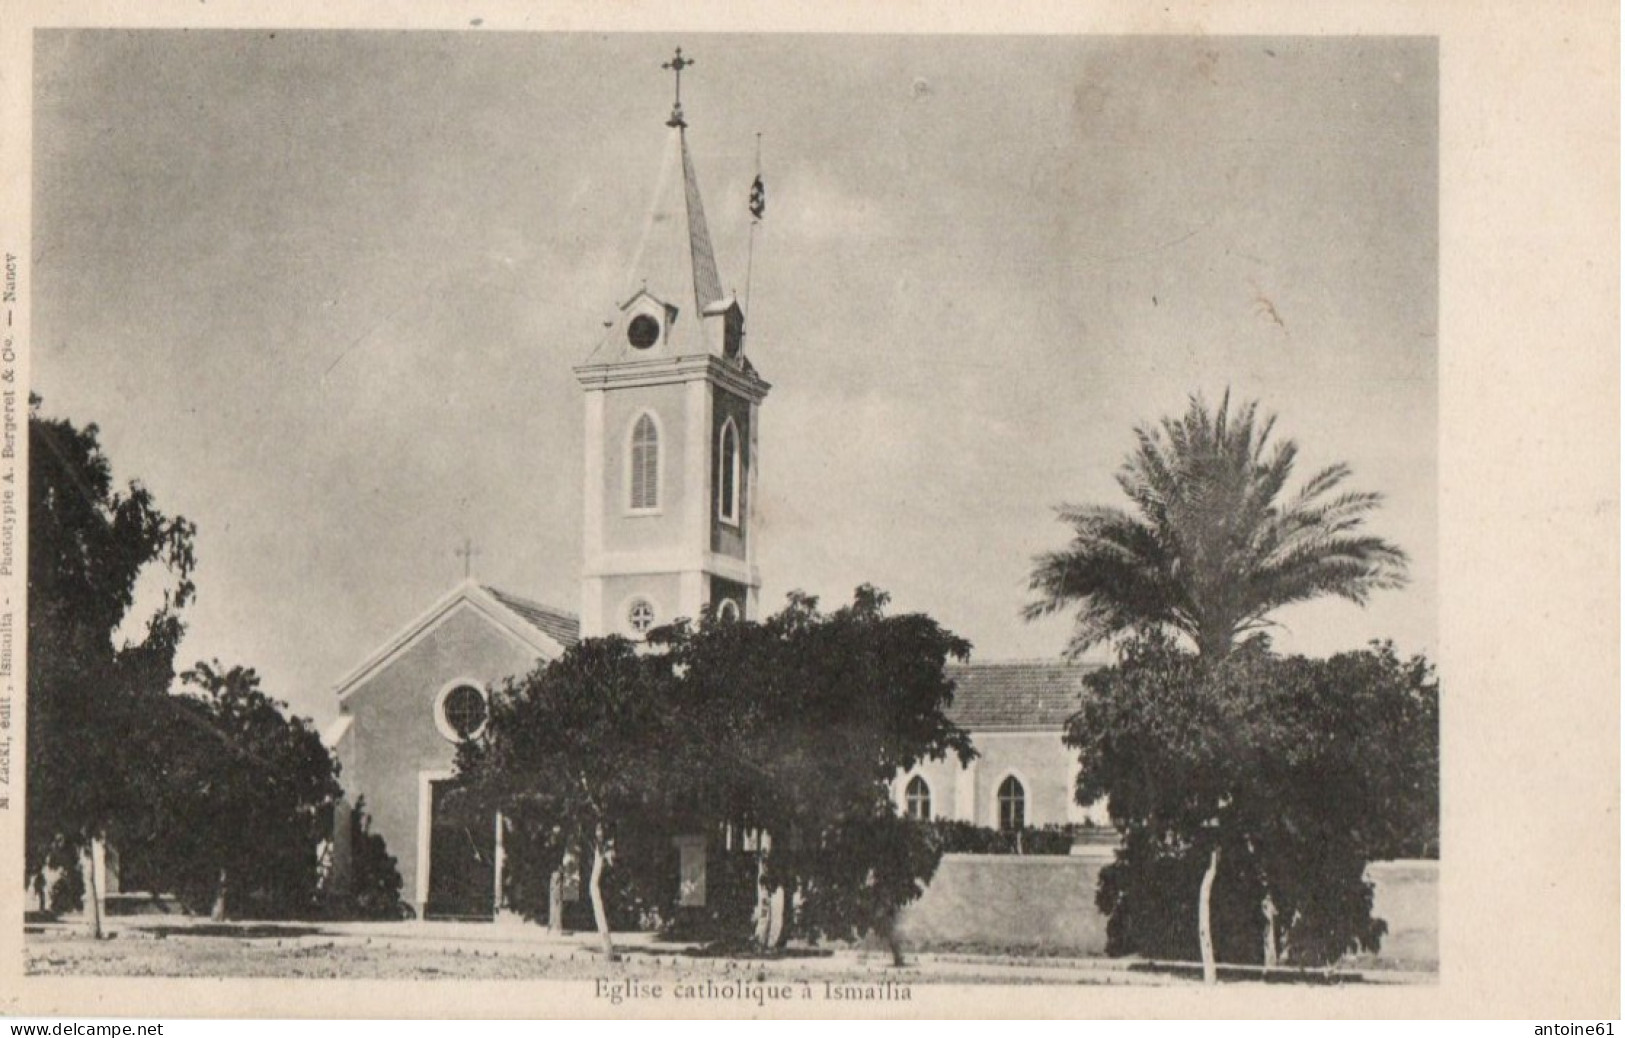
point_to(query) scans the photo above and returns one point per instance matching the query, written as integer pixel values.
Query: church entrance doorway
(462, 857)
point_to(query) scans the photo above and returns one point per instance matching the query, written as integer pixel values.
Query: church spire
(707, 283)
(702, 258)
(675, 304)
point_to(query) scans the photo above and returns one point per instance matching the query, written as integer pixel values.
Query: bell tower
(671, 419)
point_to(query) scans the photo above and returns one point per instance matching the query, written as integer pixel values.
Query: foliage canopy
(242, 803)
(784, 734)
(1300, 771)
(94, 702)
(212, 791)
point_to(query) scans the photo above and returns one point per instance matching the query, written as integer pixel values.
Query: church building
(671, 410)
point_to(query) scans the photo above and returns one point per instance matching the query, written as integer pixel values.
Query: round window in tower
(643, 332)
(728, 610)
(640, 617)
(462, 713)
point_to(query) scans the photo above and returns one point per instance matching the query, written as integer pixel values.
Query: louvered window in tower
(644, 465)
(728, 474)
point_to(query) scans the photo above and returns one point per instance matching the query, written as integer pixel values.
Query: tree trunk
(598, 915)
(1204, 920)
(778, 930)
(1272, 955)
(93, 891)
(764, 894)
(555, 902)
(1216, 641)
(499, 864)
(218, 912)
(787, 917)
(888, 931)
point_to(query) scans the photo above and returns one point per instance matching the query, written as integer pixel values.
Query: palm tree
(1211, 547)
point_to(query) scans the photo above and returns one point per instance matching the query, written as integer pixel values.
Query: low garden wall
(997, 901)
(1407, 898)
(1046, 903)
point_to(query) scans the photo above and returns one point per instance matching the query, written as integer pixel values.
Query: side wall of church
(394, 738)
(1042, 764)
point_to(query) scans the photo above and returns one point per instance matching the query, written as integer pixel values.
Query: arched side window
(917, 799)
(1012, 805)
(728, 467)
(643, 465)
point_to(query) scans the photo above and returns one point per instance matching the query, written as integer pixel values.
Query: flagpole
(755, 218)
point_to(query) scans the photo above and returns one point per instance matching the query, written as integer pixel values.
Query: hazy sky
(322, 293)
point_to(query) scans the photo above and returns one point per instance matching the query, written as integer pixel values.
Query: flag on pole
(758, 198)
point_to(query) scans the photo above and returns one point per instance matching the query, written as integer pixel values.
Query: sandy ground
(393, 951)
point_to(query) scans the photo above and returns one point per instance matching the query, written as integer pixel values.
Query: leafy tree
(375, 878)
(1385, 711)
(1294, 772)
(796, 727)
(242, 802)
(788, 730)
(575, 753)
(638, 885)
(865, 869)
(1214, 544)
(92, 699)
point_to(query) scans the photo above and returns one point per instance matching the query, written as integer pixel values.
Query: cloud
(808, 207)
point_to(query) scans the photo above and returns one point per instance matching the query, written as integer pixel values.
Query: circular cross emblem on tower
(641, 617)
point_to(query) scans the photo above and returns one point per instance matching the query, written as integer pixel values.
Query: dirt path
(488, 954)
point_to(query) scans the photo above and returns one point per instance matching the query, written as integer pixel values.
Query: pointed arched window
(917, 799)
(1012, 805)
(643, 465)
(728, 473)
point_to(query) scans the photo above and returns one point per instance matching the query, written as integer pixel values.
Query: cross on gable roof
(543, 629)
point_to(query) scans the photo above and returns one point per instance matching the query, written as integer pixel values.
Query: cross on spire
(467, 553)
(677, 65)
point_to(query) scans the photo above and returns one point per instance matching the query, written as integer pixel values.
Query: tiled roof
(1007, 695)
(1016, 694)
(562, 627)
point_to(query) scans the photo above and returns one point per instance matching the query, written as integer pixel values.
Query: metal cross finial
(677, 65)
(467, 553)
